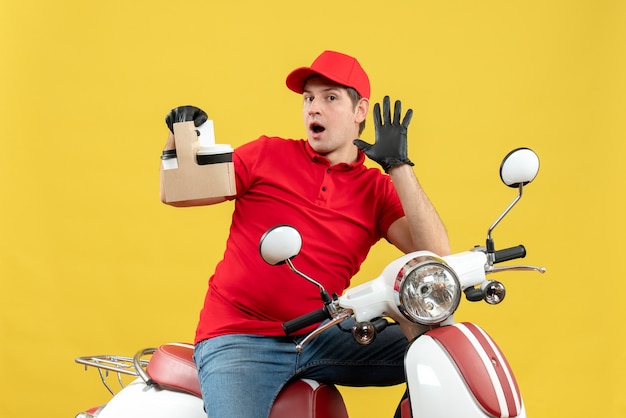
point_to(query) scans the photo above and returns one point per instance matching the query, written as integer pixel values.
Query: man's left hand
(390, 146)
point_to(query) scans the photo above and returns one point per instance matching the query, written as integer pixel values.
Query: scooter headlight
(427, 290)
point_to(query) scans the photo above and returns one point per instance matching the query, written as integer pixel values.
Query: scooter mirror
(280, 244)
(520, 166)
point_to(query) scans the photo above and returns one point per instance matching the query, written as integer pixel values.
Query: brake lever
(493, 269)
(342, 316)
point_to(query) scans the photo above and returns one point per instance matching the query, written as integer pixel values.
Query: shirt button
(323, 188)
(328, 170)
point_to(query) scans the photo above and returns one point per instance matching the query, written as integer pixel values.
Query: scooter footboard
(458, 370)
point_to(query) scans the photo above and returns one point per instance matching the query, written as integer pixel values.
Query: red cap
(338, 67)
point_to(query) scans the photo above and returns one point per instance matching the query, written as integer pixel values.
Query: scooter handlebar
(509, 254)
(305, 320)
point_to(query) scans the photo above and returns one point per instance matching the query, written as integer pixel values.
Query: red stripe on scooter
(467, 356)
(502, 368)
(470, 366)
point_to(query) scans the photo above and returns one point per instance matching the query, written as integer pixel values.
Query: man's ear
(361, 110)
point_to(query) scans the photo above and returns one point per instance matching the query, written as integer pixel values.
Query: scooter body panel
(458, 370)
(302, 397)
(138, 400)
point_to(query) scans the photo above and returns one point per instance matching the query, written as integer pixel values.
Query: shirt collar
(320, 159)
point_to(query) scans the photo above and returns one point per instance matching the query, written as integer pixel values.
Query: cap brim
(296, 79)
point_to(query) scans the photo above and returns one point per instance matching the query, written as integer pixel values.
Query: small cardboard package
(191, 180)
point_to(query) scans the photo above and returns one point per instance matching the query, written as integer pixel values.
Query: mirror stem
(490, 245)
(325, 296)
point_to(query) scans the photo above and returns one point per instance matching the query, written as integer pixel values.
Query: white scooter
(452, 369)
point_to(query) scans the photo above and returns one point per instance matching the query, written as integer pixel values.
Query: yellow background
(91, 261)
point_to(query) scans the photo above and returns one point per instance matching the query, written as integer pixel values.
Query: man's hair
(355, 97)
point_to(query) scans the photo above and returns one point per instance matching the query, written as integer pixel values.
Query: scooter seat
(306, 398)
(172, 367)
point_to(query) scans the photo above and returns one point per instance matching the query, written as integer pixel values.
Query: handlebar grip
(305, 320)
(509, 254)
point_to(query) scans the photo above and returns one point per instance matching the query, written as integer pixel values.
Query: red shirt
(340, 210)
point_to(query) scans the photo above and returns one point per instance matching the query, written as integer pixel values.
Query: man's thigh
(241, 375)
(335, 357)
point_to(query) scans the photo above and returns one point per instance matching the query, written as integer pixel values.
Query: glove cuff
(392, 162)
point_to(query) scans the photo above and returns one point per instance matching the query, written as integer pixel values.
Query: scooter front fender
(458, 370)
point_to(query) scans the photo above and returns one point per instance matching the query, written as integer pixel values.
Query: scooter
(452, 369)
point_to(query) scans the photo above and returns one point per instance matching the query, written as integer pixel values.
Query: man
(341, 208)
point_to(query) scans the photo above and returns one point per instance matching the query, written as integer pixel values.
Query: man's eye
(308, 99)
(331, 98)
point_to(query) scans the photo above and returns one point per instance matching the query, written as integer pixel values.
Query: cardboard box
(191, 181)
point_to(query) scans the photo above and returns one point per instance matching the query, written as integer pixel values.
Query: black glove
(390, 147)
(185, 114)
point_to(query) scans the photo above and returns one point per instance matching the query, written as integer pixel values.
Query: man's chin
(318, 146)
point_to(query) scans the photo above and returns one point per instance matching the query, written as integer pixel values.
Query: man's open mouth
(317, 128)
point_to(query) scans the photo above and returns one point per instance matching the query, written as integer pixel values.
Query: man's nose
(313, 107)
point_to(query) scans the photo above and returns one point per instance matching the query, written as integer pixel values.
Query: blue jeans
(241, 375)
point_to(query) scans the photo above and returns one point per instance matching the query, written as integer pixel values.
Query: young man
(320, 186)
